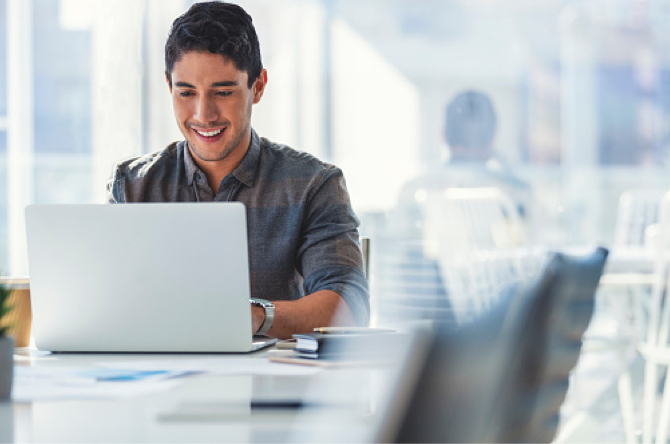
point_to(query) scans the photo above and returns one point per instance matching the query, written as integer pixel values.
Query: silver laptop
(140, 278)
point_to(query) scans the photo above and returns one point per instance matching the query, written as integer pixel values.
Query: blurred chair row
(471, 246)
(478, 243)
(481, 247)
(637, 218)
(503, 376)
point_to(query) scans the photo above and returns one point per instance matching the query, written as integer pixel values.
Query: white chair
(636, 235)
(625, 289)
(478, 239)
(655, 349)
(637, 212)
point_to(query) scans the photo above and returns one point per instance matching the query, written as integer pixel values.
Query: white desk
(160, 417)
(629, 266)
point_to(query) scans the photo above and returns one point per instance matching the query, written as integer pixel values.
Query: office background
(581, 89)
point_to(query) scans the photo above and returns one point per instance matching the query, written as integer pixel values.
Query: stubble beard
(227, 150)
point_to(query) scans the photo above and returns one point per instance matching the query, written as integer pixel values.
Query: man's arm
(318, 309)
(330, 260)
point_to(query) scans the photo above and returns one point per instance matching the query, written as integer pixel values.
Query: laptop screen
(139, 277)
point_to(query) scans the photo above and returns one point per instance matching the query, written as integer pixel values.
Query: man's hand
(321, 309)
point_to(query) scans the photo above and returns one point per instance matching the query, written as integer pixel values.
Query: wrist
(268, 315)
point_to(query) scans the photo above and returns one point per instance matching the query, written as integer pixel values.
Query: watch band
(269, 308)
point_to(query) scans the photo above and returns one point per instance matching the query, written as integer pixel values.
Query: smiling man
(305, 262)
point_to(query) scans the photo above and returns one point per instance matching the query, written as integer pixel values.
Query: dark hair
(216, 27)
(471, 121)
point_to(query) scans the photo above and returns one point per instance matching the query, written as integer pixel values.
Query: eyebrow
(214, 85)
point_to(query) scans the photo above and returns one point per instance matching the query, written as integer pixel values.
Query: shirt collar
(191, 168)
(245, 172)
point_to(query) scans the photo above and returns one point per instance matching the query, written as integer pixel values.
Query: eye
(224, 93)
(185, 93)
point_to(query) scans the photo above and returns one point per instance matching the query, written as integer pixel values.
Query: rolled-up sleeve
(330, 256)
(114, 191)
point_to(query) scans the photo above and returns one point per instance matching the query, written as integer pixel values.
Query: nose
(205, 110)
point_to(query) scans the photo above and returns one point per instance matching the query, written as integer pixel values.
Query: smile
(208, 133)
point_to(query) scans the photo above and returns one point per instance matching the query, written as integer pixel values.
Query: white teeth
(210, 133)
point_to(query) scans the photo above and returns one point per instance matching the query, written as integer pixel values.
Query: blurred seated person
(417, 275)
(470, 132)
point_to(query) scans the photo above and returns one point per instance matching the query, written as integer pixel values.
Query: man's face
(212, 104)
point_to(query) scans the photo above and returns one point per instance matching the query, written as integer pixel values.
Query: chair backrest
(638, 209)
(474, 218)
(479, 242)
(547, 347)
(503, 377)
(656, 343)
(659, 312)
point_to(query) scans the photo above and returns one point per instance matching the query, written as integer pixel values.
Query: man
(303, 233)
(418, 223)
(470, 129)
(470, 132)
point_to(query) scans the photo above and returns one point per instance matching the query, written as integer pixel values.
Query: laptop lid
(149, 277)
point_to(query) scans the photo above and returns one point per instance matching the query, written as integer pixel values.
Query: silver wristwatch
(269, 308)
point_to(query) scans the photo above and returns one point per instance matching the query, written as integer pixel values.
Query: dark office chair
(547, 348)
(503, 377)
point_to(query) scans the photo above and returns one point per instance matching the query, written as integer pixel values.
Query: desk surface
(216, 408)
(202, 408)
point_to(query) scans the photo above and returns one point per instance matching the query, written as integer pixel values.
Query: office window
(580, 89)
(77, 102)
(4, 235)
(4, 258)
(3, 68)
(62, 64)
(62, 104)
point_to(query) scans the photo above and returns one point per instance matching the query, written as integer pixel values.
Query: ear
(258, 88)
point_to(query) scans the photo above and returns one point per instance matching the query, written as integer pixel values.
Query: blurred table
(201, 408)
(629, 266)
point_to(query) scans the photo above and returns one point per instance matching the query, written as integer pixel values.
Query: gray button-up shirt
(303, 233)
